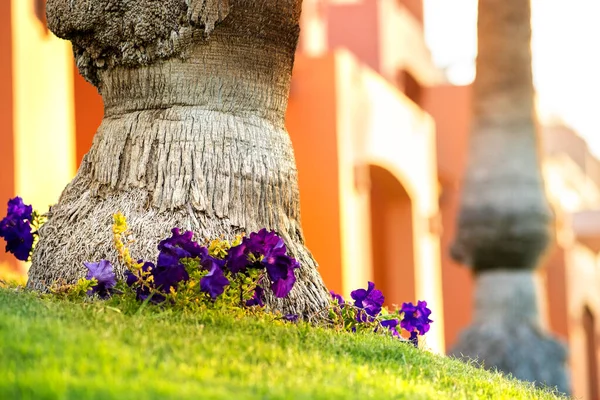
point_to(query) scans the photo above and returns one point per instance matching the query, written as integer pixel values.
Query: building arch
(392, 236)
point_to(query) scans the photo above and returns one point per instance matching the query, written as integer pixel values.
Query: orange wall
(342, 118)
(89, 110)
(355, 27)
(312, 127)
(450, 106)
(43, 109)
(556, 275)
(581, 282)
(7, 171)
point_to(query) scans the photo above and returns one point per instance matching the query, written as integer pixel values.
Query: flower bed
(215, 275)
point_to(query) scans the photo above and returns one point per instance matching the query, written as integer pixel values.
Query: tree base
(88, 218)
(507, 335)
(522, 350)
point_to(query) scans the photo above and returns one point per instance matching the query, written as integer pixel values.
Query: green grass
(51, 349)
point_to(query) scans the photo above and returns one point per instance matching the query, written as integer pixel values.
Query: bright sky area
(566, 59)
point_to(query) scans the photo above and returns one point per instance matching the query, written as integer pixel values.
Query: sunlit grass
(53, 349)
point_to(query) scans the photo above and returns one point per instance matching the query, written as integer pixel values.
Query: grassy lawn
(52, 349)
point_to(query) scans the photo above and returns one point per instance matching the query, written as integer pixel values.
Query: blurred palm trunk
(505, 219)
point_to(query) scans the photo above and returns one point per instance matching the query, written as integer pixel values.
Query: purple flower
(18, 236)
(178, 246)
(265, 242)
(261, 244)
(257, 300)
(280, 269)
(131, 278)
(143, 291)
(15, 229)
(169, 277)
(103, 272)
(169, 269)
(337, 297)
(370, 300)
(392, 325)
(290, 318)
(215, 281)
(271, 250)
(18, 210)
(416, 318)
(237, 258)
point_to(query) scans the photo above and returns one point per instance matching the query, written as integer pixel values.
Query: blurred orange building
(380, 140)
(366, 150)
(572, 273)
(37, 129)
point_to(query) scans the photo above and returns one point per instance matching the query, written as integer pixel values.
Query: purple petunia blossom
(337, 297)
(237, 258)
(19, 210)
(131, 278)
(370, 300)
(18, 236)
(178, 246)
(392, 325)
(261, 244)
(270, 249)
(103, 273)
(265, 242)
(290, 318)
(215, 281)
(15, 229)
(257, 300)
(169, 270)
(415, 319)
(167, 277)
(143, 291)
(280, 269)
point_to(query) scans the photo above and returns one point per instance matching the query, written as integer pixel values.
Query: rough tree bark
(193, 136)
(504, 221)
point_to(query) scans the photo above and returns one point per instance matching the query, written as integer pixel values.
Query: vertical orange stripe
(89, 111)
(7, 159)
(311, 122)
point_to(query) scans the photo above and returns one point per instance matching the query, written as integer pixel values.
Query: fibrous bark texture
(193, 134)
(506, 333)
(504, 218)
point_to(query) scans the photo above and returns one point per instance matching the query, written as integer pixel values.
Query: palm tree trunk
(504, 221)
(193, 134)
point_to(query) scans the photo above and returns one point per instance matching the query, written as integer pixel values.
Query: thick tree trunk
(504, 221)
(505, 218)
(193, 134)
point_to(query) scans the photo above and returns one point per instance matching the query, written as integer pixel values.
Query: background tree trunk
(193, 134)
(504, 222)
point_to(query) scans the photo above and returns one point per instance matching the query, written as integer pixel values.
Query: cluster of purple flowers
(369, 303)
(15, 229)
(263, 250)
(169, 269)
